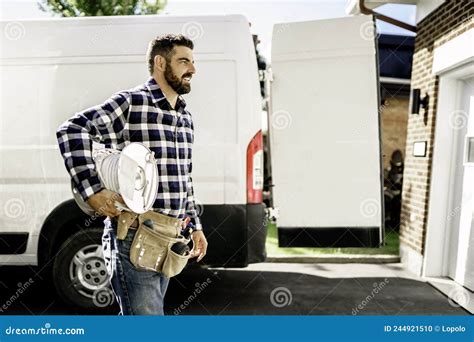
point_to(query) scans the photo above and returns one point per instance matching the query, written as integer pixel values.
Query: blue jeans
(137, 292)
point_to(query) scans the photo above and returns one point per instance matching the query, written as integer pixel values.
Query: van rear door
(324, 128)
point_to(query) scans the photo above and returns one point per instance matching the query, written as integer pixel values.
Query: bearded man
(155, 115)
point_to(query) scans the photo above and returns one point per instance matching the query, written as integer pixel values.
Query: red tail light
(255, 169)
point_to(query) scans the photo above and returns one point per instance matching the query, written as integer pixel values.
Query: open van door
(324, 128)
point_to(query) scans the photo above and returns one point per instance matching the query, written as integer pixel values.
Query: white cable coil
(107, 162)
(132, 173)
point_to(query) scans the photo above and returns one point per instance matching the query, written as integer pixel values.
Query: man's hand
(103, 202)
(199, 245)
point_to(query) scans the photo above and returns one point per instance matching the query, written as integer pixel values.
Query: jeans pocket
(125, 244)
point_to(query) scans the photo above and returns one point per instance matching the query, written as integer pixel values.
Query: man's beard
(175, 82)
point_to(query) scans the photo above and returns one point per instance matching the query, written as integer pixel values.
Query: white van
(52, 68)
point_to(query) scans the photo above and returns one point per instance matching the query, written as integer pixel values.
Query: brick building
(437, 221)
(436, 234)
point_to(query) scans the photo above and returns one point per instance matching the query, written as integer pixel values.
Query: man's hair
(163, 45)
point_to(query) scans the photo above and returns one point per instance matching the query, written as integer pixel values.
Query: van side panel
(61, 66)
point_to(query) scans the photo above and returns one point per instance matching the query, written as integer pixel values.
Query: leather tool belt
(151, 248)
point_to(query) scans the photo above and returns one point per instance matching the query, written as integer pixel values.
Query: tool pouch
(151, 251)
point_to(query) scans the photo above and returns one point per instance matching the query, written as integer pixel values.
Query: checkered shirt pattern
(144, 115)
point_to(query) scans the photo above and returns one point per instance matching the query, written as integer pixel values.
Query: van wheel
(79, 271)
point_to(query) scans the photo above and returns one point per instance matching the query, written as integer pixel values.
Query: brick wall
(394, 127)
(446, 22)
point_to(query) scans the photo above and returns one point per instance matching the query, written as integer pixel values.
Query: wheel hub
(88, 271)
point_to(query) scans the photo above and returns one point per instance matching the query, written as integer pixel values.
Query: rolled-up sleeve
(102, 124)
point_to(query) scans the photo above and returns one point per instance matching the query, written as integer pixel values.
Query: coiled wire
(107, 162)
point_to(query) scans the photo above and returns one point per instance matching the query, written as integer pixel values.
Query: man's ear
(160, 63)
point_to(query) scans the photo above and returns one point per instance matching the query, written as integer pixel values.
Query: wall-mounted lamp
(416, 101)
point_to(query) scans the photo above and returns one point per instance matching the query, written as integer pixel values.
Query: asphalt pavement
(261, 289)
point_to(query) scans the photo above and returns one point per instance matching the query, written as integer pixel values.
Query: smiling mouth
(187, 79)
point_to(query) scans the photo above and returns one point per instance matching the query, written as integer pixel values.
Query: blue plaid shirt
(143, 115)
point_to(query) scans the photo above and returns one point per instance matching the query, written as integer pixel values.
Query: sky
(263, 14)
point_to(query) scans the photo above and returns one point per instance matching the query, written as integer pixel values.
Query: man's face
(180, 69)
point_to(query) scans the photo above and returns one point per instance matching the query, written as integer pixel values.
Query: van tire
(79, 272)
